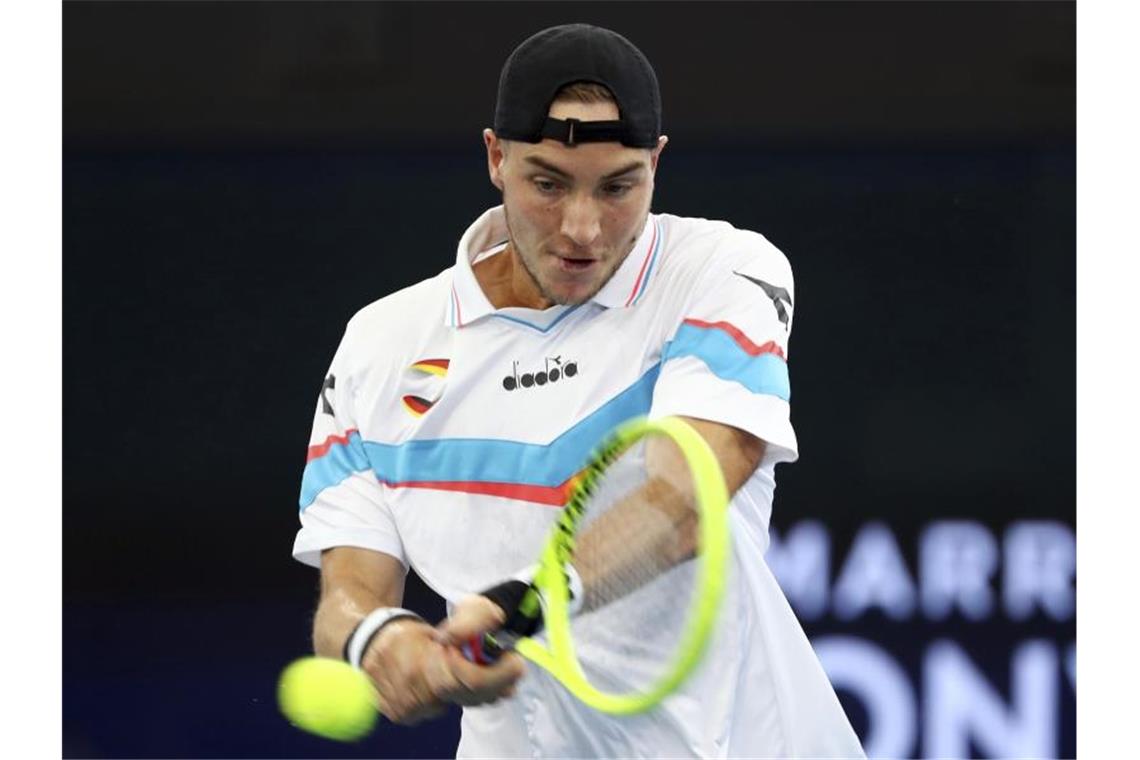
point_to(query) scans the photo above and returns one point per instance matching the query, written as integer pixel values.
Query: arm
(739, 453)
(353, 583)
(415, 676)
(644, 535)
(655, 527)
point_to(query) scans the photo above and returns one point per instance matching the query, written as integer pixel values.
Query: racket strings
(637, 533)
(644, 540)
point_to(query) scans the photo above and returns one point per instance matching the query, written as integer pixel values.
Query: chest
(504, 380)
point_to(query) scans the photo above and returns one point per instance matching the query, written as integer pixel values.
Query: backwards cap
(560, 55)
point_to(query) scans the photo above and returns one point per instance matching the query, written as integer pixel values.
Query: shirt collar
(468, 302)
(631, 279)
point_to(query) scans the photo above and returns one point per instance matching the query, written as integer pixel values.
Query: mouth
(575, 265)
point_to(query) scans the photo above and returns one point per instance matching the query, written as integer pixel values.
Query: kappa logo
(418, 406)
(548, 374)
(777, 294)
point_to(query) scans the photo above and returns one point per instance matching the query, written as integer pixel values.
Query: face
(573, 213)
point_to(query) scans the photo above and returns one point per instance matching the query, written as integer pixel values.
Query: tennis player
(452, 409)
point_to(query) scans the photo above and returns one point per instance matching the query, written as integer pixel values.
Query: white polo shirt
(447, 429)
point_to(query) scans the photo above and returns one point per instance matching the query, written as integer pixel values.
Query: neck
(506, 282)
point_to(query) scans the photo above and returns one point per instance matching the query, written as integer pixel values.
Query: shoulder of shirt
(402, 317)
(694, 246)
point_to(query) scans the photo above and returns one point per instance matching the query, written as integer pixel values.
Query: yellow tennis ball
(328, 697)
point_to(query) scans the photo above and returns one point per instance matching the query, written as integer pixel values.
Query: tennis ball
(328, 697)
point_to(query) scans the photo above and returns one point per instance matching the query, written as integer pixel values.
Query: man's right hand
(416, 675)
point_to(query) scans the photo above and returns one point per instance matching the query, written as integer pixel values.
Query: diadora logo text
(554, 369)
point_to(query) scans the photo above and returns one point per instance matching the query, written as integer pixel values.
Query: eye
(545, 186)
(617, 189)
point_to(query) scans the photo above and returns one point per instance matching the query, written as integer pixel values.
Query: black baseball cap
(560, 55)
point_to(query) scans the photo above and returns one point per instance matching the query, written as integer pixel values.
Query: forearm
(352, 587)
(638, 539)
(655, 527)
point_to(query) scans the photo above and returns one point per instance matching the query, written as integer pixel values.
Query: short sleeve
(342, 503)
(727, 358)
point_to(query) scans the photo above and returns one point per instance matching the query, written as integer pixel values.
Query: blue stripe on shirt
(766, 373)
(480, 459)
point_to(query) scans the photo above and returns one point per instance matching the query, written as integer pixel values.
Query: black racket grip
(512, 596)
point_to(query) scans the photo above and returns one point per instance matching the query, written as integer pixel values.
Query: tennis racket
(645, 530)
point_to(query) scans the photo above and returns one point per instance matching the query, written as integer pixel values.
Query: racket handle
(487, 648)
(524, 617)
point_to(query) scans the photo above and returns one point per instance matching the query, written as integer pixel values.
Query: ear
(495, 156)
(655, 154)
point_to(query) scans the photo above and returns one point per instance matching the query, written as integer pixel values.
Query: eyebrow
(553, 169)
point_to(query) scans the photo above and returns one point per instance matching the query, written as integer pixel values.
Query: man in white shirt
(456, 410)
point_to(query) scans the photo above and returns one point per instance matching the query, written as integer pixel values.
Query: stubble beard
(534, 278)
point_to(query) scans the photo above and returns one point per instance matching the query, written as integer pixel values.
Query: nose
(581, 220)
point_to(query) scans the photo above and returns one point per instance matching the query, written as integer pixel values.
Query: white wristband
(364, 632)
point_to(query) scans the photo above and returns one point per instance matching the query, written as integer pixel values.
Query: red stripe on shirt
(741, 339)
(319, 450)
(644, 264)
(554, 496)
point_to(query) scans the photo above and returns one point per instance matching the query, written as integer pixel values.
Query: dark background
(240, 178)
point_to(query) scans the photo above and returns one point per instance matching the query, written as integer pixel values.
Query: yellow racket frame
(712, 498)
